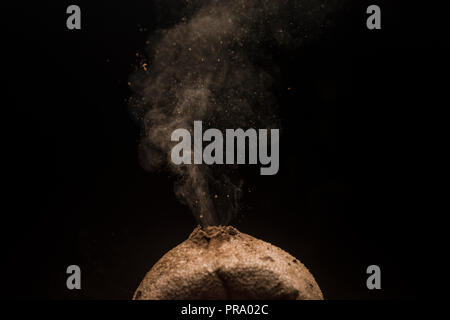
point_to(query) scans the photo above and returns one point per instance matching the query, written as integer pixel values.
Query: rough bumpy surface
(223, 263)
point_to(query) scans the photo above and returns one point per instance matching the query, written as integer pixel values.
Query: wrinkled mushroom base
(223, 263)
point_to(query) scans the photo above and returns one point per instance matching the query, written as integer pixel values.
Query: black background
(347, 194)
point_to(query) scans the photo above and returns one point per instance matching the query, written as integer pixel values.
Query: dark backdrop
(347, 194)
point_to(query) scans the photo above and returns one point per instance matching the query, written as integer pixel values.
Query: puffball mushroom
(219, 262)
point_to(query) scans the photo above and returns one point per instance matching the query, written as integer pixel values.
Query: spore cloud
(215, 65)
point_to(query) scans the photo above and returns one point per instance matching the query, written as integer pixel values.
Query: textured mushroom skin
(223, 263)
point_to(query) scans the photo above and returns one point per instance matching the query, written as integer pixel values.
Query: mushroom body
(222, 263)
